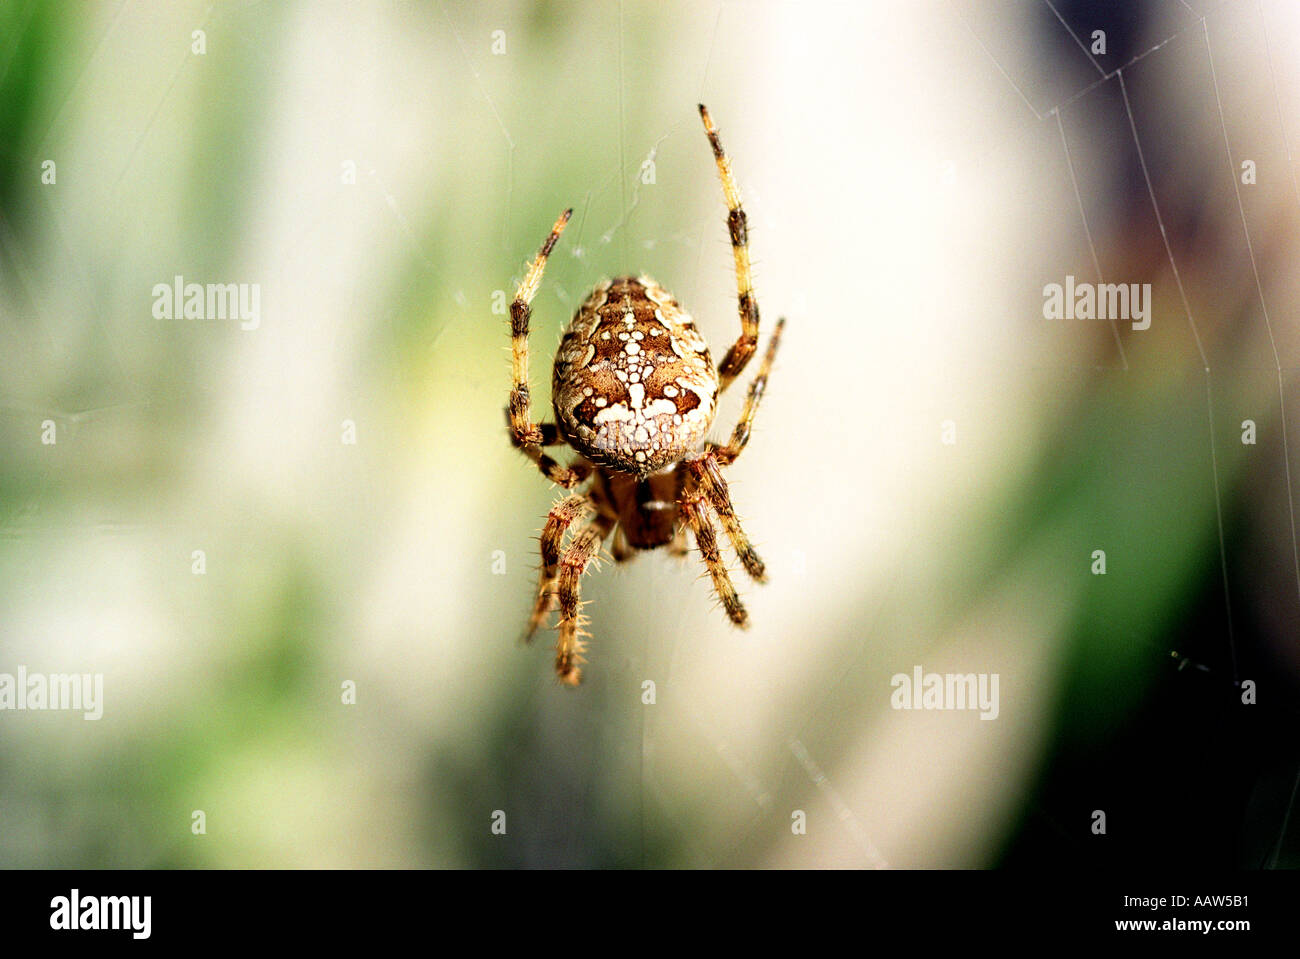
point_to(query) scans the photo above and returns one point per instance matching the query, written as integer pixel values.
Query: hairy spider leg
(709, 477)
(740, 436)
(569, 646)
(562, 516)
(693, 505)
(528, 436)
(744, 347)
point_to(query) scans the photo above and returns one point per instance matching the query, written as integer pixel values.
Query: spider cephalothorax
(635, 392)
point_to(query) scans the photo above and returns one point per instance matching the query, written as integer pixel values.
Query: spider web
(1189, 33)
(652, 620)
(661, 637)
(1187, 44)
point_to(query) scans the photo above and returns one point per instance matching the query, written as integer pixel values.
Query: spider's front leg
(737, 227)
(524, 433)
(569, 646)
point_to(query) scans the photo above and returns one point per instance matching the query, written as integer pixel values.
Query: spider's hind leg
(562, 515)
(569, 645)
(709, 477)
(694, 506)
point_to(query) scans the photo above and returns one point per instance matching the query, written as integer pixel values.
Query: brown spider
(634, 392)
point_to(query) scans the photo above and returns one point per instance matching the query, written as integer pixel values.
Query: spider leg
(693, 505)
(569, 646)
(524, 433)
(562, 515)
(566, 476)
(744, 347)
(709, 477)
(740, 436)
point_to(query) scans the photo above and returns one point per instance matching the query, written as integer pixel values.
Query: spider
(634, 393)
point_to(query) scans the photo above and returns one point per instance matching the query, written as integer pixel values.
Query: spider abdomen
(634, 388)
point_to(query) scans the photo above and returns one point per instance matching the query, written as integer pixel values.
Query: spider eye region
(634, 388)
